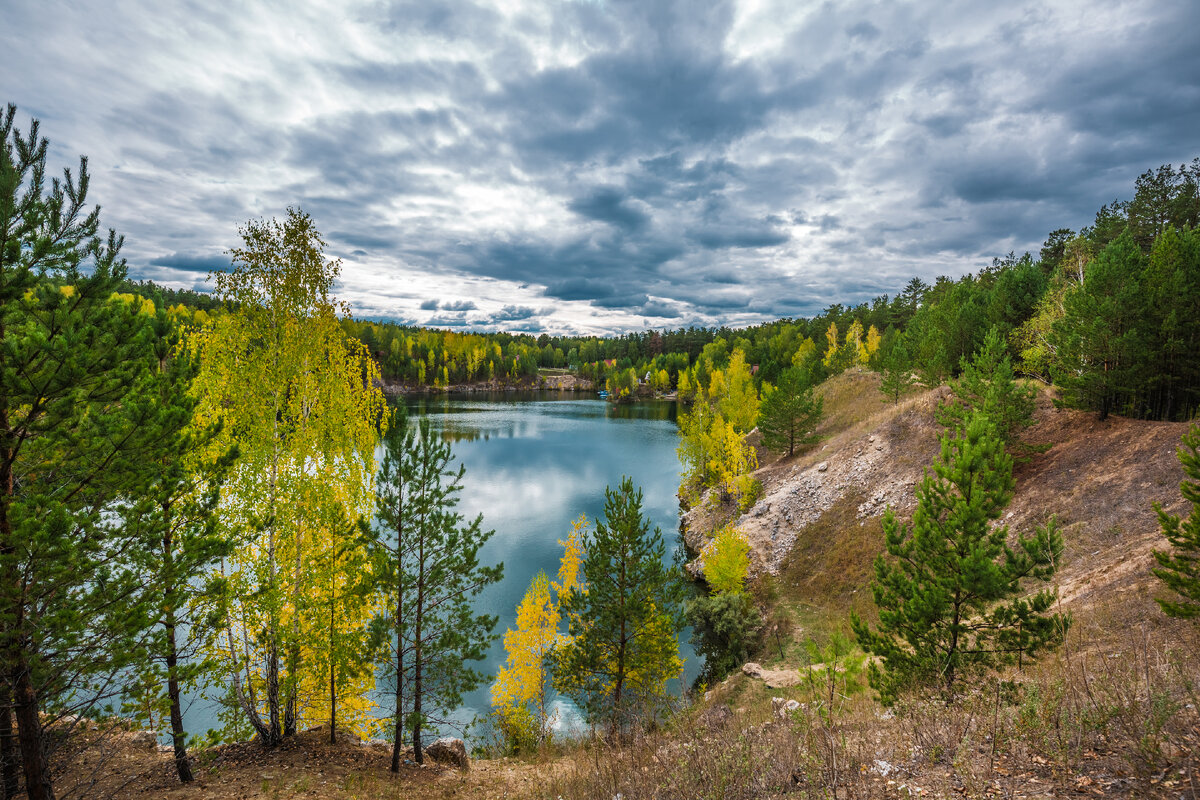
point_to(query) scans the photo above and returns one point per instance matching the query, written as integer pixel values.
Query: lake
(535, 462)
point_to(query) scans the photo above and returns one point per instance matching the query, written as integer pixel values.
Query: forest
(190, 496)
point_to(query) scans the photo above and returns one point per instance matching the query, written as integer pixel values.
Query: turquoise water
(535, 462)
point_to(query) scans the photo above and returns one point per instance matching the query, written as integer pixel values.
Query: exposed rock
(824, 465)
(781, 707)
(449, 751)
(773, 678)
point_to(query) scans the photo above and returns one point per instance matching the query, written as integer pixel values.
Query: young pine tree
(790, 414)
(623, 619)
(80, 430)
(433, 573)
(178, 512)
(896, 377)
(986, 386)
(951, 592)
(1179, 568)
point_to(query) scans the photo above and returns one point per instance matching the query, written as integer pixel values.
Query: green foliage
(1179, 568)
(179, 513)
(726, 631)
(81, 429)
(986, 386)
(791, 412)
(623, 622)
(727, 561)
(834, 675)
(430, 571)
(951, 597)
(896, 373)
(1098, 342)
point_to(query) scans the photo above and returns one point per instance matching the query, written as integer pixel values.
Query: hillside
(1108, 715)
(817, 526)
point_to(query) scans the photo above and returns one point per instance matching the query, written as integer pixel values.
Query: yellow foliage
(804, 352)
(572, 560)
(522, 681)
(737, 400)
(727, 561)
(873, 340)
(831, 338)
(854, 342)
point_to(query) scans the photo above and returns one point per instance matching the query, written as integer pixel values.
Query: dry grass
(1085, 723)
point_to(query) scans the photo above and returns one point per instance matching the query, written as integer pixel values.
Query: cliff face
(819, 518)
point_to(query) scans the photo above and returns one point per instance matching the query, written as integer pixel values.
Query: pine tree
(178, 511)
(80, 428)
(987, 386)
(623, 619)
(1179, 568)
(433, 575)
(896, 377)
(791, 412)
(951, 596)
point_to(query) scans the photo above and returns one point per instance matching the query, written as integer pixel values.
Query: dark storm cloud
(660, 160)
(513, 313)
(193, 262)
(609, 205)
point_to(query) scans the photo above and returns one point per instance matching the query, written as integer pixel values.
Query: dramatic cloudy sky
(593, 165)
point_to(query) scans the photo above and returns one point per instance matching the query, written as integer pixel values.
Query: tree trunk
(9, 757)
(332, 677)
(416, 736)
(178, 736)
(33, 748)
(399, 737)
(10, 775)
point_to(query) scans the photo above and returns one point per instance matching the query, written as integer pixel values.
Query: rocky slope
(1101, 479)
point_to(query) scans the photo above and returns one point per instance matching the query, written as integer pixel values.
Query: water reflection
(535, 462)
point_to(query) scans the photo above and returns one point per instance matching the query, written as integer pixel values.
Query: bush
(726, 629)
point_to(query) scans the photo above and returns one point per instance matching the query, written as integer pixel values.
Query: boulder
(781, 707)
(773, 678)
(449, 751)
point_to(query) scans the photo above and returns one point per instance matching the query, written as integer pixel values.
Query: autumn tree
(951, 593)
(296, 395)
(726, 624)
(727, 561)
(520, 691)
(522, 685)
(1179, 567)
(791, 412)
(623, 619)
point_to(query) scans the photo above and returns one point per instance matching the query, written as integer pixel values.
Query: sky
(587, 166)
